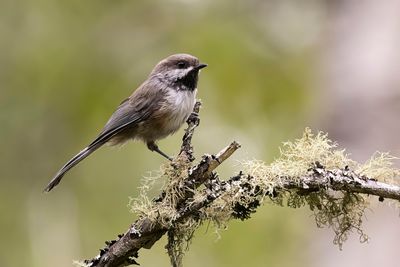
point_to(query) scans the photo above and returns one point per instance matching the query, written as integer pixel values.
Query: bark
(144, 232)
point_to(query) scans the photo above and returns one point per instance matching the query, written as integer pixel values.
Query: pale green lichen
(163, 211)
(179, 240)
(380, 167)
(297, 157)
(342, 211)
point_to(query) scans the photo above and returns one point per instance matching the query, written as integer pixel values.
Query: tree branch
(344, 180)
(144, 232)
(238, 197)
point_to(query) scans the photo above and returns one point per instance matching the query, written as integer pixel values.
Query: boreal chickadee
(156, 109)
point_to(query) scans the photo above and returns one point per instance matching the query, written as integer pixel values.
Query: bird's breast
(180, 106)
(173, 111)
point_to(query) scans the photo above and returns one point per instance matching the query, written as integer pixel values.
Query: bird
(155, 110)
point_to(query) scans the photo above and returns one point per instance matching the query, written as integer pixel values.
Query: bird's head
(179, 70)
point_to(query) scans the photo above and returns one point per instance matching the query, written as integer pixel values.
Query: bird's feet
(152, 146)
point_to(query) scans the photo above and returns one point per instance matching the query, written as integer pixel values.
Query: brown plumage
(155, 110)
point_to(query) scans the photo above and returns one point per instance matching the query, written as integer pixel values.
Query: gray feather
(156, 109)
(103, 138)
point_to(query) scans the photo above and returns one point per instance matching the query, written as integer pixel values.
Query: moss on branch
(310, 172)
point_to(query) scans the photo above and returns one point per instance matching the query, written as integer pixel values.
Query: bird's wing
(126, 115)
(138, 107)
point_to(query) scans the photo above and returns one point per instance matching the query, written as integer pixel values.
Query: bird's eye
(181, 64)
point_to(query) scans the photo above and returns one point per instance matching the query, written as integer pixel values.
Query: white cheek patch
(178, 73)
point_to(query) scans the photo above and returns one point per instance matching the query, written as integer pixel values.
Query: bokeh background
(275, 67)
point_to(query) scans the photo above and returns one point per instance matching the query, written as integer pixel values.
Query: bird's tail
(102, 138)
(71, 163)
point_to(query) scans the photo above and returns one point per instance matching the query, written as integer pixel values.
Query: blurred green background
(65, 66)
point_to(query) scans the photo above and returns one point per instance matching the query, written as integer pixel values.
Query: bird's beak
(200, 66)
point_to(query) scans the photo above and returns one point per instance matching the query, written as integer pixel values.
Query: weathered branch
(240, 195)
(143, 233)
(344, 180)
